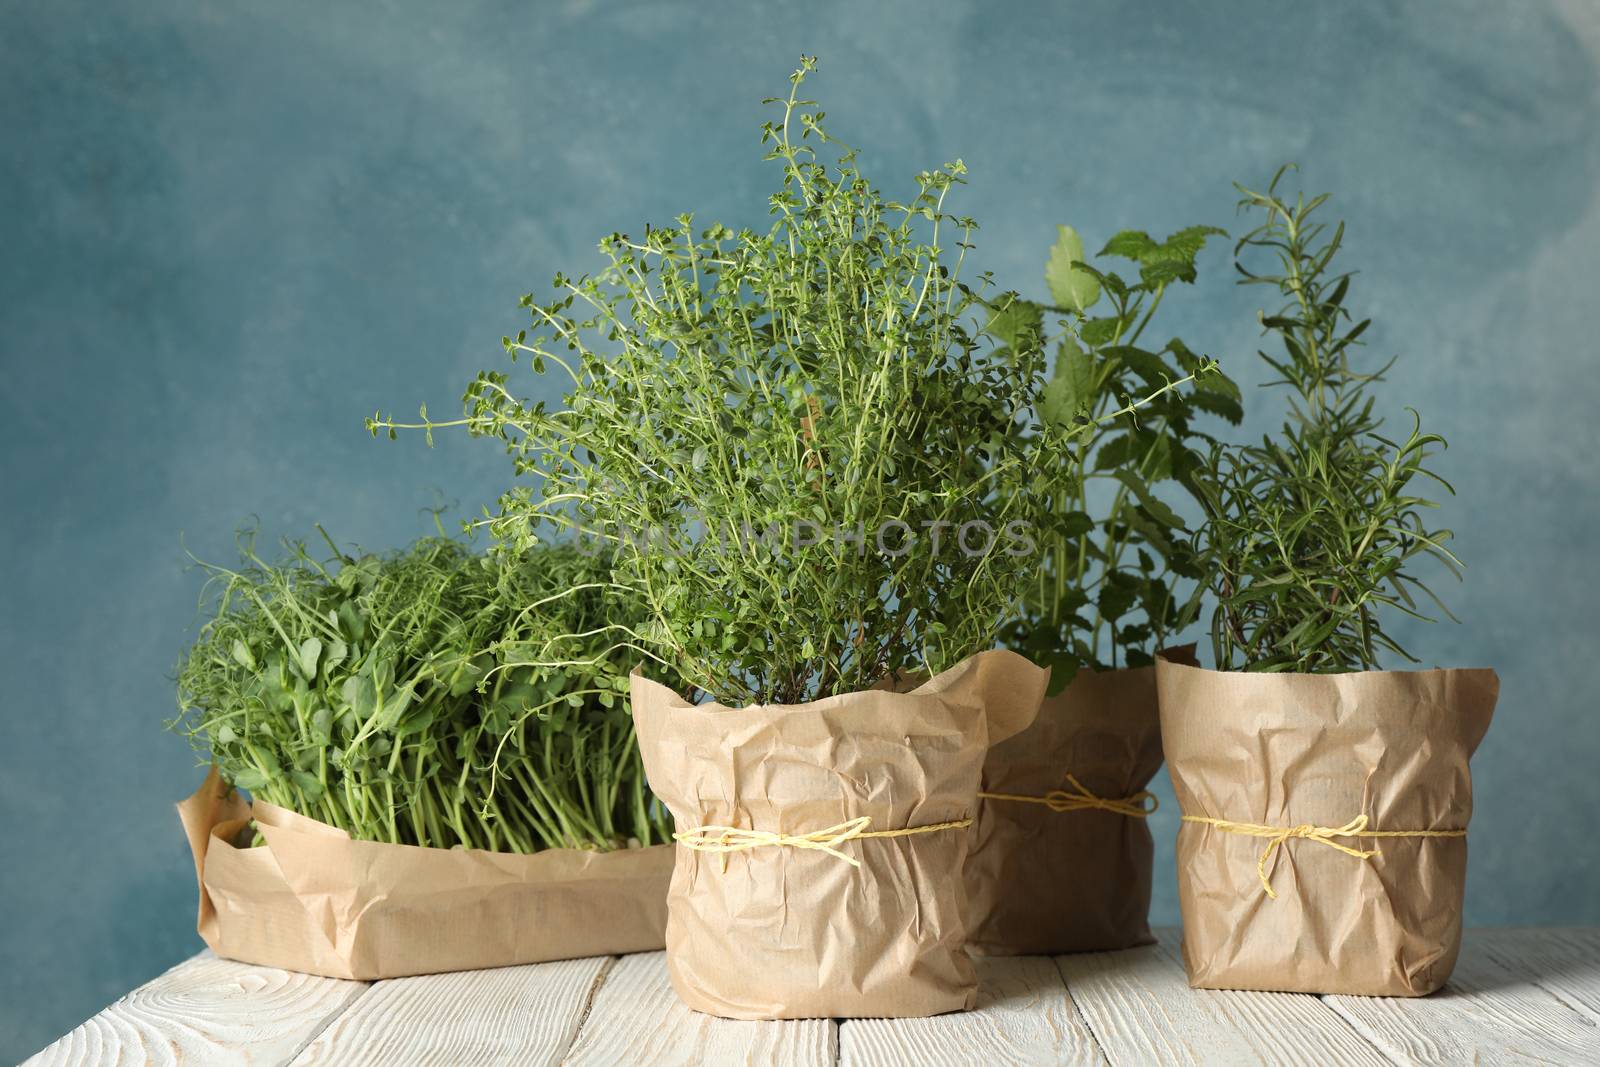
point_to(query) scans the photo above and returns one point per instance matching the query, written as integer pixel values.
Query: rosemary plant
(817, 469)
(433, 697)
(1119, 575)
(1311, 536)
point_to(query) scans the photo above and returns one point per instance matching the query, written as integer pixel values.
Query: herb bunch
(1310, 537)
(432, 697)
(786, 435)
(1119, 575)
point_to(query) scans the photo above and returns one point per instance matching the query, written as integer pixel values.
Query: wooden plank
(1565, 962)
(1139, 1005)
(1024, 1017)
(207, 1010)
(1487, 1014)
(637, 1018)
(508, 1015)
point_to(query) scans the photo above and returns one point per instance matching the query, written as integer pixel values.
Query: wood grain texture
(1139, 1005)
(1564, 962)
(1486, 1014)
(636, 1018)
(1024, 1017)
(1518, 996)
(508, 1015)
(207, 1010)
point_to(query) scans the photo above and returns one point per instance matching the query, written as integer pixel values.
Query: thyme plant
(816, 468)
(432, 697)
(1311, 536)
(1119, 575)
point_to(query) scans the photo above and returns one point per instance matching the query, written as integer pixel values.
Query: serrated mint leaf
(1015, 322)
(1219, 404)
(1070, 390)
(1070, 287)
(1173, 259)
(1147, 365)
(1158, 509)
(1097, 332)
(1129, 244)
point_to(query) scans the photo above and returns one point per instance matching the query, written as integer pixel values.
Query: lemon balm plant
(1061, 855)
(1119, 576)
(435, 696)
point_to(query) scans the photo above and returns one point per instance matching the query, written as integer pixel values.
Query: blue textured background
(231, 230)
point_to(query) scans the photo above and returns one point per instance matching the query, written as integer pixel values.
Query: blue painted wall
(229, 231)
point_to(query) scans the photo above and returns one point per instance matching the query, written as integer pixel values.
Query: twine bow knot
(725, 839)
(1138, 806)
(1278, 836)
(722, 840)
(1322, 835)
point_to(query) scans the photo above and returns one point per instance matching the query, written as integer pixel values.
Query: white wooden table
(1517, 996)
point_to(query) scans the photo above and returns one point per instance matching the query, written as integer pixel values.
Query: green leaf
(465, 677)
(1097, 332)
(1115, 599)
(1219, 383)
(1158, 509)
(1071, 389)
(307, 783)
(1165, 272)
(1070, 287)
(1186, 243)
(242, 656)
(1155, 460)
(1114, 453)
(361, 695)
(1073, 524)
(417, 721)
(248, 778)
(1173, 259)
(336, 653)
(1217, 404)
(1129, 244)
(310, 652)
(1015, 322)
(354, 623)
(1150, 530)
(1063, 668)
(1147, 365)
(395, 707)
(1144, 451)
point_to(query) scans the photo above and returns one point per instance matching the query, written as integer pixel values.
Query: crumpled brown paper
(787, 933)
(1286, 750)
(1039, 881)
(314, 900)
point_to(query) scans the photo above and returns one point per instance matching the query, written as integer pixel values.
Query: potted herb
(821, 476)
(1062, 855)
(1325, 801)
(436, 746)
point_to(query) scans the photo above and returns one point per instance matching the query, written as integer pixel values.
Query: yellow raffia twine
(1322, 835)
(725, 839)
(1140, 805)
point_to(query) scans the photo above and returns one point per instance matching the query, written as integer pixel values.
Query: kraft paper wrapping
(788, 933)
(1286, 750)
(314, 900)
(1043, 882)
